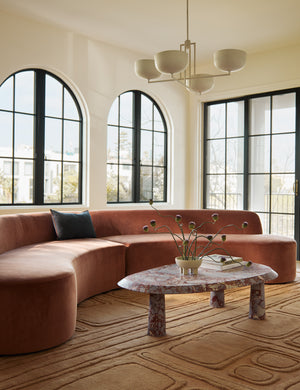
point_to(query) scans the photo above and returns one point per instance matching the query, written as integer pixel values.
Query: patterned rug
(205, 348)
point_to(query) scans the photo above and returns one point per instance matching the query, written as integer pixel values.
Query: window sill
(140, 206)
(40, 208)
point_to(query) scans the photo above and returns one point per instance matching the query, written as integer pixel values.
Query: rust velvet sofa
(42, 279)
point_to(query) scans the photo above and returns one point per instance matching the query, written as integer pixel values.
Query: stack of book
(215, 262)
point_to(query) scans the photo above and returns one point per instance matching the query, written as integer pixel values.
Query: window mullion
(152, 157)
(270, 178)
(225, 141)
(204, 154)
(62, 148)
(39, 136)
(13, 142)
(165, 164)
(80, 163)
(297, 170)
(136, 146)
(246, 154)
(118, 164)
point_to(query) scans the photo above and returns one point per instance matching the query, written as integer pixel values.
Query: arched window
(40, 140)
(136, 150)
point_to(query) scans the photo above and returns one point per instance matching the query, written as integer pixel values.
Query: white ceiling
(149, 26)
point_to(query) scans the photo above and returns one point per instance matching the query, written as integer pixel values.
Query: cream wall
(97, 73)
(264, 72)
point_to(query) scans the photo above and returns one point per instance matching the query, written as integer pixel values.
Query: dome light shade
(230, 60)
(201, 83)
(171, 61)
(146, 69)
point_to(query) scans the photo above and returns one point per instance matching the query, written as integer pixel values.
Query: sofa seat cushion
(278, 252)
(52, 260)
(146, 251)
(41, 285)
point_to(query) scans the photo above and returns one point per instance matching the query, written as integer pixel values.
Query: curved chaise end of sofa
(37, 316)
(279, 253)
(41, 285)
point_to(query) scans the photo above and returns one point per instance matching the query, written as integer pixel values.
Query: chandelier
(180, 65)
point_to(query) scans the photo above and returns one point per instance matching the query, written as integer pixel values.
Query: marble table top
(168, 280)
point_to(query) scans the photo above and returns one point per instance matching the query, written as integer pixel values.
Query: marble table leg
(257, 301)
(157, 315)
(217, 298)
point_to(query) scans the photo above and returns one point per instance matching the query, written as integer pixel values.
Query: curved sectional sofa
(42, 279)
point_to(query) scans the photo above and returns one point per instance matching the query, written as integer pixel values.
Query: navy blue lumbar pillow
(71, 225)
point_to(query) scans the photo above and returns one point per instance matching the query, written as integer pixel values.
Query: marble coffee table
(167, 280)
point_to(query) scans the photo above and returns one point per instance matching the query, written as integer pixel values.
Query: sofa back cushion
(25, 229)
(117, 222)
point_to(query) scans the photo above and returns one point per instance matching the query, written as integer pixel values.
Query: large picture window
(251, 158)
(40, 140)
(136, 150)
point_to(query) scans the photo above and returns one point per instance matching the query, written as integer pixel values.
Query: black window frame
(39, 138)
(136, 142)
(247, 137)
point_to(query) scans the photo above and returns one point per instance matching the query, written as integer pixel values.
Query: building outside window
(136, 150)
(40, 139)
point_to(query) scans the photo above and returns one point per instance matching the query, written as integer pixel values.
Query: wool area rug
(205, 348)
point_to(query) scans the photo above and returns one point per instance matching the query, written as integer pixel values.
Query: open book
(214, 262)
